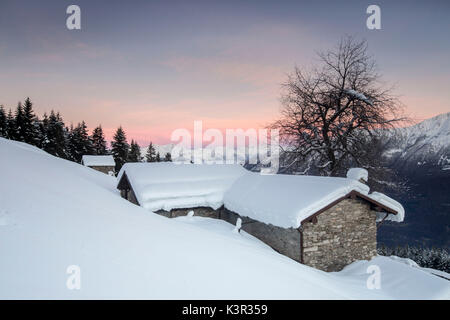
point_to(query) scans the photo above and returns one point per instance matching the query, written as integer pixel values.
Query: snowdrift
(55, 214)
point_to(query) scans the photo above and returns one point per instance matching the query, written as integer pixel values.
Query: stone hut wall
(104, 169)
(129, 195)
(199, 211)
(344, 233)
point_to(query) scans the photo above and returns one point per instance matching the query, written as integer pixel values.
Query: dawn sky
(155, 66)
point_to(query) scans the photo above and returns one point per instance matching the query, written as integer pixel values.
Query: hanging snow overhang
(374, 205)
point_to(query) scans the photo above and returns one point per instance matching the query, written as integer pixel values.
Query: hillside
(420, 154)
(55, 213)
(424, 144)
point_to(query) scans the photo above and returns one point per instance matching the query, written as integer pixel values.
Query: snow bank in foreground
(399, 279)
(56, 213)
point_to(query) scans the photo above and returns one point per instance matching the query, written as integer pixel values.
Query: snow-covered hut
(324, 222)
(171, 189)
(105, 164)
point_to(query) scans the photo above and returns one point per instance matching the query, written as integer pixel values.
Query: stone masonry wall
(282, 240)
(199, 211)
(129, 195)
(344, 233)
(104, 169)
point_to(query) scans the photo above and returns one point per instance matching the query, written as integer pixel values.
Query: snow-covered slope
(55, 213)
(427, 142)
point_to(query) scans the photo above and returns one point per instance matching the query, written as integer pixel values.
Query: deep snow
(165, 185)
(55, 213)
(98, 161)
(278, 199)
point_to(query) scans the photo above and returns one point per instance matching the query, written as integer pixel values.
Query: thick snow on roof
(285, 200)
(358, 174)
(167, 185)
(93, 161)
(391, 203)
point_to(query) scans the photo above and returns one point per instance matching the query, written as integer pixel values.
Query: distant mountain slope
(426, 143)
(421, 156)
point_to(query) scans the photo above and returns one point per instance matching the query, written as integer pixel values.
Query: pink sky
(153, 68)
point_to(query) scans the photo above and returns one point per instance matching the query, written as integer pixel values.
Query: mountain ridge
(425, 143)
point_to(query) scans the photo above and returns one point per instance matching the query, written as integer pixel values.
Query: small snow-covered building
(105, 164)
(174, 189)
(323, 222)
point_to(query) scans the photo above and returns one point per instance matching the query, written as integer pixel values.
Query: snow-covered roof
(391, 203)
(280, 200)
(167, 186)
(93, 161)
(286, 200)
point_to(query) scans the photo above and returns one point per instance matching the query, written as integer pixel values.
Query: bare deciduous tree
(331, 114)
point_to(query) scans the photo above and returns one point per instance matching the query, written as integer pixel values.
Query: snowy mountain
(426, 143)
(57, 216)
(420, 154)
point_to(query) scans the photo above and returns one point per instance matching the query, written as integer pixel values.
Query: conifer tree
(11, 125)
(54, 141)
(134, 154)
(70, 145)
(151, 153)
(79, 143)
(85, 139)
(99, 141)
(29, 129)
(168, 157)
(18, 133)
(3, 123)
(43, 132)
(158, 157)
(119, 148)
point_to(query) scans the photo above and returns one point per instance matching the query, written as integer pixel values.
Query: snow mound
(399, 278)
(358, 174)
(5, 218)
